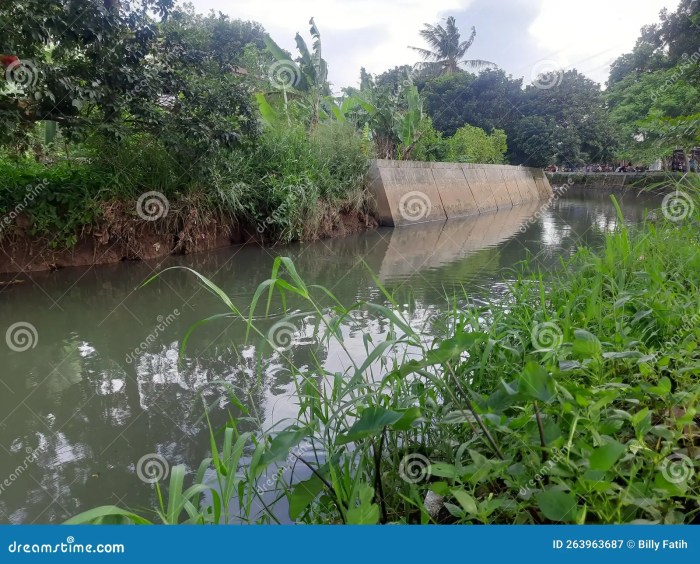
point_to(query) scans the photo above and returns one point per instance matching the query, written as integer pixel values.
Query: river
(99, 385)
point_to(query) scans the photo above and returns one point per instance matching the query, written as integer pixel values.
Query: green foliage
(155, 97)
(56, 202)
(598, 426)
(653, 92)
(486, 100)
(446, 53)
(136, 66)
(565, 124)
(473, 145)
(292, 178)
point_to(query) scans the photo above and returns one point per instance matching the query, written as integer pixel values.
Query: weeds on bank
(575, 400)
(287, 186)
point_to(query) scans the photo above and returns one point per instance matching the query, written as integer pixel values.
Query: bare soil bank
(122, 237)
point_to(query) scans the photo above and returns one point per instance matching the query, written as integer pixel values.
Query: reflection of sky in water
(92, 414)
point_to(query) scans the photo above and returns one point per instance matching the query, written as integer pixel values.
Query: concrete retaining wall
(408, 192)
(614, 180)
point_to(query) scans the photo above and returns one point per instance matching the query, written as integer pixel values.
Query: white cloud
(376, 33)
(592, 34)
(395, 22)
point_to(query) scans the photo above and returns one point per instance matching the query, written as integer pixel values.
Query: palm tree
(447, 51)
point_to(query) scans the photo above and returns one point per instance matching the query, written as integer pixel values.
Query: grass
(287, 186)
(573, 401)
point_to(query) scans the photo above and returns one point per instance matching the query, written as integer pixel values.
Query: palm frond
(478, 64)
(465, 45)
(425, 53)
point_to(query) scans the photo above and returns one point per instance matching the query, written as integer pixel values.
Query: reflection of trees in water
(95, 415)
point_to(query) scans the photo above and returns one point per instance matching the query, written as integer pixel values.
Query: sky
(524, 37)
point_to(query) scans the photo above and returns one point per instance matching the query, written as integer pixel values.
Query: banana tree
(304, 80)
(393, 120)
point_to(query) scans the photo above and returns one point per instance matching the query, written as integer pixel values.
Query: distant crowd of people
(624, 167)
(693, 166)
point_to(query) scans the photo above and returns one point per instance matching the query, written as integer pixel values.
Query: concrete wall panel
(409, 192)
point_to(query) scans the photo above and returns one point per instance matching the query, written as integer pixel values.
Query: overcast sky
(521, 36)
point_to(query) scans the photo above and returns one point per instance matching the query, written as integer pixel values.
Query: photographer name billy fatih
(640, 544)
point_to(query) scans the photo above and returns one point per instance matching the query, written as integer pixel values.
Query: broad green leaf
(467, 502)
(371, 421)
(366, 512)
(276, 51)
(604, 457)
(641, 421)
(586, 345)
(557, 505)
(303, 494)
(622, 354)
(663, 388)
(281, 445)
(443, 470)
(408, 417)
(536, 383)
